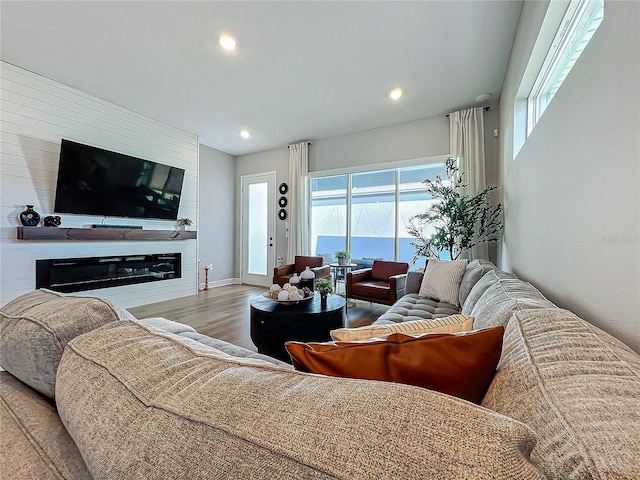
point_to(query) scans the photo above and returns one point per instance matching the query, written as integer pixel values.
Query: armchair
(283, 273)
(384, 282)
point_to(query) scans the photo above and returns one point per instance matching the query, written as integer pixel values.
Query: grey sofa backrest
(474, 272)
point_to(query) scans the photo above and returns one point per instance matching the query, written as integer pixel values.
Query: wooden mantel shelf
(101, 234)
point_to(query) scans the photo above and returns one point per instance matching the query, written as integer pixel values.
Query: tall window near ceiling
(367, 213)
(581, 19)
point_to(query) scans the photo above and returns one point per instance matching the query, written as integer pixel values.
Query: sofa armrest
(282, 270)
(397, 285)
(322, 272)
(414, 281)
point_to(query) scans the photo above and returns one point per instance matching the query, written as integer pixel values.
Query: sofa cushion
(481, 286)
(34, 442)
(371, 288)
(503, 298)
(415, 307)
(442, 280)
(167, 325)
(382, 270)
(231, 349)
(460, 364)
(36, 326)
(475, 270)
(143, 404)
(450, 324)
(578, 388)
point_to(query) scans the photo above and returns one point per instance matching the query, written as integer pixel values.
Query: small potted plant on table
(342, 256)
(183, 223)
(324, 288)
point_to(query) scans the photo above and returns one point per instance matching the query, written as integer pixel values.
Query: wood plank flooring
(223, 312)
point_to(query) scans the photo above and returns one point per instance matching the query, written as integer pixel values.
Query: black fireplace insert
(77, 274)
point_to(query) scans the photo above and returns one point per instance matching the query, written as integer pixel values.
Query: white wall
(216, 223)
(572, 203)
(36, 114)
(419, 139)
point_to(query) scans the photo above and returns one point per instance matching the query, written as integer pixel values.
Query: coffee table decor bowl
(288, 294)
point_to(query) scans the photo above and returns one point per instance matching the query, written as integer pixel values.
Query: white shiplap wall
(36, 113)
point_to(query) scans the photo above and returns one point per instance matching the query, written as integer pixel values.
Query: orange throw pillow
(460, 364)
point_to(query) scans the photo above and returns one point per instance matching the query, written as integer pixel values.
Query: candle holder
(206, 277)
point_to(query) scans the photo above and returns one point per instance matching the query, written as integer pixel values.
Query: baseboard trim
(220, 283)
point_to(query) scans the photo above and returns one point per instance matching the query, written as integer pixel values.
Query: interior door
(258, 228)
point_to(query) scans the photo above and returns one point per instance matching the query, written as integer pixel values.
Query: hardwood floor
(223, 312)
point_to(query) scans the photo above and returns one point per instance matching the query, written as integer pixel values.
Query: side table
(336, 268)
(273, 323)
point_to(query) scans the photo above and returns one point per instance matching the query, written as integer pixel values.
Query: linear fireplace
(77, 274)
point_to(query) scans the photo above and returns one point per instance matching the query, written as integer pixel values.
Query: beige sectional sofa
(151, 399)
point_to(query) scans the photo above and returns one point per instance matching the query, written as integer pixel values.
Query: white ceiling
(302, 70)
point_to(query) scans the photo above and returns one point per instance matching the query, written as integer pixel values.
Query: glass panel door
(258, 228)
(258, 199)
(373, 215)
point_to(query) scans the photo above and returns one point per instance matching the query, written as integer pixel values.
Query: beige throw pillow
(450, 324)
(442, 280)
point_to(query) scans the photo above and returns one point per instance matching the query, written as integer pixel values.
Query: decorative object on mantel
(52, 221)
(30, 218)
(342, 256)
(184, 222)
(458, 220)
(324, 287)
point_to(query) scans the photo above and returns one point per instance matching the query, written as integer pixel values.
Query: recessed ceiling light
(245, 133)
(395, 94)
(483, 98)
(227, 42)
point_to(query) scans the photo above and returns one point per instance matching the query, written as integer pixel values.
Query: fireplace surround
(68, 275)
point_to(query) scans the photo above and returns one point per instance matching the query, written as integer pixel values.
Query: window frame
(349, 171)
(579, 23)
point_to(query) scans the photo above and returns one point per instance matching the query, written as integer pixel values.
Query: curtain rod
(486, 109)
(308, 143)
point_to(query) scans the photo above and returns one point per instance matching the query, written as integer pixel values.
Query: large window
(367, 213)
(581, 19)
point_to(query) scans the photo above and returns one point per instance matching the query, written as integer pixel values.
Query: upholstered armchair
(282, 274)
(384, 282)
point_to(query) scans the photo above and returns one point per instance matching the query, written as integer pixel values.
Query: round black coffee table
(273, 323)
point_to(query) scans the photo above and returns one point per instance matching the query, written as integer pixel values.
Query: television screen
(93, 181)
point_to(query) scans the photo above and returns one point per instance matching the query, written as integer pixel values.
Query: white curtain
(466, 129)
(299, 200)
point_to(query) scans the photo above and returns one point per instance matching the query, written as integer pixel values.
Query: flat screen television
(93, 181)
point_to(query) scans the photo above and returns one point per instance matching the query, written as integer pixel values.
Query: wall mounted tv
(93, 181)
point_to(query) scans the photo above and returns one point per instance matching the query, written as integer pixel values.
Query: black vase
(30, 218)
(323, 300)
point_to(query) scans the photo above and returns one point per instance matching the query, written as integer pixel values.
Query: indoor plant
(184, 222)
(458, 220)
(342, 256)
(324, 287)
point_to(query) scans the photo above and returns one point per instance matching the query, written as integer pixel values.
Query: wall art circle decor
(282, 202)
(283, 188)
(30, 218)
(282, 214)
